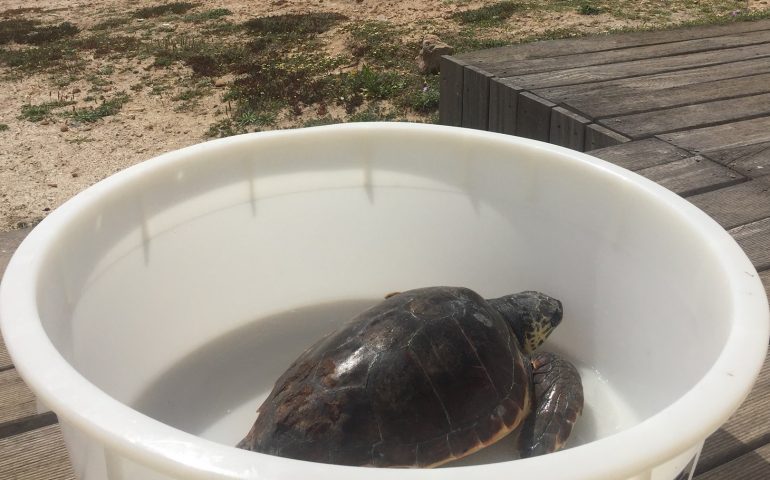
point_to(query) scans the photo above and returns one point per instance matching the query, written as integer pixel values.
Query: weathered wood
(737, 205)
(754, 239)
(16, 400)
(35, 455)
(5, 359)
(598, 136)
(745, 430)
(641, 154)
(503, 101)
(568, 129)
(533, 116)
(451, 91)
(504, 66)
(754, 465)
(752, 160)
(677, 81)
(627, 100)
(597, 43)
(9, 241)
(730, 135)
(692, 175)
(646, 124)
(475, 109)
(636, 68)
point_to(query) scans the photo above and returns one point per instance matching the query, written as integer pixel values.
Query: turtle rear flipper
(558, 402)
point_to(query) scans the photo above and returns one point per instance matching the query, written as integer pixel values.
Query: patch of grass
(470, 38)
(111, 23)
(38, 58)
(373, 84)
(490, 14)
(4, 127)
(102, 44)
(243, 122)
(31, 32)
(286, 80)
(379, 42)
(423, 99)
(294, 23)
(164, 9)
(589, 9)
(39, 112)
(204, 57)
(372, 113)
(105, 109)
(207, 15)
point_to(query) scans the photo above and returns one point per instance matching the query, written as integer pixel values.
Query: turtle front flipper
(558, 402)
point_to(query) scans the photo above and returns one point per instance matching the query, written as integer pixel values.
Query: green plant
(212, 14)
(373, 84)
(589, 9)
(36, 113)
(30, 32)
(379, 42)
(490, 14)
(3, 127)
(423, 99)
(294, 23)
(241, 122)
(105, 109)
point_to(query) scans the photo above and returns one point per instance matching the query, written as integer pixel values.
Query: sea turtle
(425, 377)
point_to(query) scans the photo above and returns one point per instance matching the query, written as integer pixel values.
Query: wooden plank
(735, 134)
(35, 455)
(502, 66)
(9, 241)
(568, 129)
(746, 430)
(475, 109)
(16, 400)
(596, 43)
(752, 160)
(636, 68)
(581, 95)
(597, 136)
(626, 100)
(754, 239)
(533, 116)
(503, 101)
(754, 465)
(642, 125)
(451, 91)
(692, 175)
(737, 205)
(641, 154)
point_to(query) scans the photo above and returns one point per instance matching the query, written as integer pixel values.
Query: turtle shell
(424, 377)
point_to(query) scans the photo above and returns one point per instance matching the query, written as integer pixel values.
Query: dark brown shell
(424, 377)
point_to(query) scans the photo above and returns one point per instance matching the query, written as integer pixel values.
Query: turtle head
(531, 315)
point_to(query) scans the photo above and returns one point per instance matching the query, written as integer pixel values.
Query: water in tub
(215, 391)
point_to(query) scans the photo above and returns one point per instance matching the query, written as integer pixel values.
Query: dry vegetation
(89, 88)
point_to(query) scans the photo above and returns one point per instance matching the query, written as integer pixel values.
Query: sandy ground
(43, 164)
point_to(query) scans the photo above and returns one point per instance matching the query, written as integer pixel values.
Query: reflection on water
(215, 391)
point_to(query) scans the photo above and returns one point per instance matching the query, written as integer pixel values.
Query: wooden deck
(687, 108)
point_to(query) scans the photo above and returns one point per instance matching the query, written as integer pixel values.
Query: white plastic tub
(153, 311)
